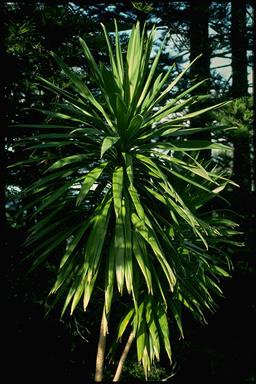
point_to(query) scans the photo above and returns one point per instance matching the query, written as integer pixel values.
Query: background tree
(200, 45)
(239, 44)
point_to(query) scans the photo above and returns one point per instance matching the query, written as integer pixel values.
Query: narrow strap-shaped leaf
(151, 95)
(50, 244)
(164, 329)
(89, 117)
(93, 66)
(110, 88)
(153, 330)
(55, 195)
(175, 307)
(133, 57)
(71, 98)
(160, 286)
(141, 340)
(69, 260)
(117, 186)
(107, 143)
(80, 86)
(168, 109)
(79, 290)
(188, 216)
(158, 132)
(175, 81)
(96, 239)
(47, 230)
(115, 67)
(131, 188)
(88, 112)
(176, 103)
(190, 145)
(121, 117)
(191, 131)
(151, 72)
(119, 56)
(134, 126)
(152, 166)
(47, 181)
(77, 82)
(67, 161)
(154, 92)
(73, 244)
(151, 239)
(199, 112)
(197, 170)
(141, 256)
(88, 288)
(190, 181)
(109, 283)
(50, 144)
(136, 288)
(36, 228)
(46, 126)
(119, 249)
(124, 323)
(50, 136)
(59, 115)
(72, 289)
(128, 265)
(89, 180)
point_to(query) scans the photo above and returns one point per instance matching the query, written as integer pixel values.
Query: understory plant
(122, 198)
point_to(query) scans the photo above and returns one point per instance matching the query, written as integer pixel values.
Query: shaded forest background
(46, 346)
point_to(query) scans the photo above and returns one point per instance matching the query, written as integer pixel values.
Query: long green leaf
(151, 239)
(131, 188)
(164, 329)
(89, 180)
(116, 68)
(96, 239)
(107, 143)
(109, 283)
(119, 249)
(69, 160)
(124, 323)
(191, 145)
(128, 264)
(140, 253)
(117, 186)
(153, 331)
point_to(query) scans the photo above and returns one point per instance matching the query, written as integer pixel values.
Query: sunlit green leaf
(108, 142)
(89, 180)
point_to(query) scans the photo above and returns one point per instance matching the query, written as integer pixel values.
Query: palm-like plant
(123, 195)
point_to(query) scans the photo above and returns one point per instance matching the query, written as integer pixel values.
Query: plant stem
(124, 356)
(101, 351)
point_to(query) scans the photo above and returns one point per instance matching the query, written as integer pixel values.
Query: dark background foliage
(45, 347)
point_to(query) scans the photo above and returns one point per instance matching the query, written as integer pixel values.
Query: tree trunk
(99, 369)
(241, 165)
(239, 47)
(123, 357)
(200, 70)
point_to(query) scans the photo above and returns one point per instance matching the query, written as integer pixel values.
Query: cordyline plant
(123, 192)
